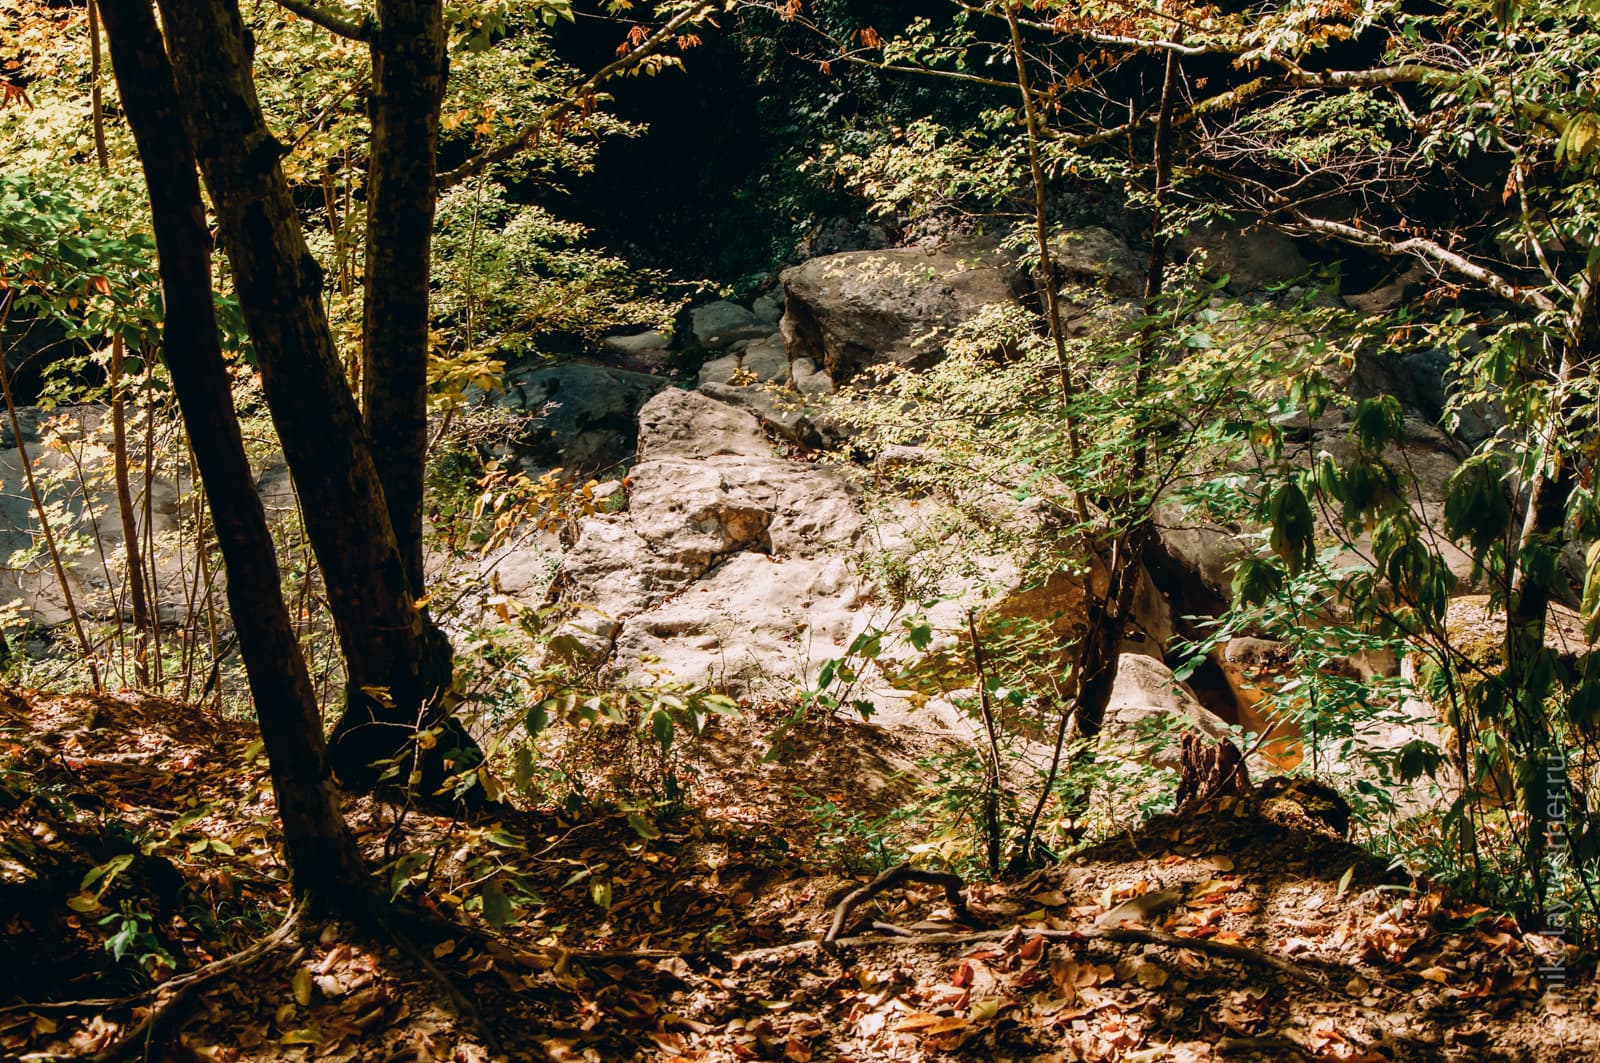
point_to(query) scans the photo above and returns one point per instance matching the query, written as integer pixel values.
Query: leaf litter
(1227, 934)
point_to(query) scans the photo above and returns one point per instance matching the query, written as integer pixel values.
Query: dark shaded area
(714, 189)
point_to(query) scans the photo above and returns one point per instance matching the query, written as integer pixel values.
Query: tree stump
(1210, 770)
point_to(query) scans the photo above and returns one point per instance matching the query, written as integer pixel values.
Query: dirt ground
(1245, 932)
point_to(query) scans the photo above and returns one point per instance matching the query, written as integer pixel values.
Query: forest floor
(1243, 932)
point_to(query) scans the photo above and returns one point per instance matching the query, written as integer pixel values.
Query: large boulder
(757, 625)
(723, 323)
(781, 412)
(682, 424)
(585, 417)
(763, 361)
(1145, 695)
(1097, 258)
(850, 311)
(710, 505)
(691, 513)
(1205, 554)
(1251, 258)
(638, 343)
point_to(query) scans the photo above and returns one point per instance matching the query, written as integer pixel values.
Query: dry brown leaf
(917, 1021)
(1151, 976)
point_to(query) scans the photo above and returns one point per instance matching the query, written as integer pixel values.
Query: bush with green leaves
(510, 277)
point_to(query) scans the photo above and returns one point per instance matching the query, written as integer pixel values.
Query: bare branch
(342, 27)
(954, 75)
(1419, 247)
(525, 137)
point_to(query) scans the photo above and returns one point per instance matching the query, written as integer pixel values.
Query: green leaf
(1256, 581)
(1583, 706)
(106, 873)
(522, 767)
(1378, 422)
(1476, 505)
(1589, 608)
(497, 907)
(1293, 536)
(643, 827)
(1416, 759)
(538, 719)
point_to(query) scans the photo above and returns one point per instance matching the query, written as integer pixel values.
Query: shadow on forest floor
(694, 937)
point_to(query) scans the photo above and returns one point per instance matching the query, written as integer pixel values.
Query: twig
(578, 100)
(340, 27)
(991, 782)
(888, 880)
(459, 999)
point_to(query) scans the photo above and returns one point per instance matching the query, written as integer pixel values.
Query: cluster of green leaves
(568, 734)
(62, 263)
(511, 276)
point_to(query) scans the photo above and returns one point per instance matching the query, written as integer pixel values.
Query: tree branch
(525, 137)
(342, 27)
(1419, 247)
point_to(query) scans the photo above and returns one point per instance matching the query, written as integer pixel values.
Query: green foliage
(509, 276)
(564, 733)
(132, 938)
(62, 263)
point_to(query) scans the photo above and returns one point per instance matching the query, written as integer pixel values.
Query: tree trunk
(408, 82)
(1110, 616)
(142, 621)
(397, 666)
(322, 853)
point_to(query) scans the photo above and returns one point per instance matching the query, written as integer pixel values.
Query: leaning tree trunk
(322, 853)
(408, 82)
(397, 667)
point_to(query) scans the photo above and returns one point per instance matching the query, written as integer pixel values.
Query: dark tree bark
(1110, 616)
(408, 83)
(321, 851)
(397, 666)
(1208, 770)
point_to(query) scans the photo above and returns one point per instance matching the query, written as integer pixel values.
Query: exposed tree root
(896, 936)
(166, 997)
(890, 879)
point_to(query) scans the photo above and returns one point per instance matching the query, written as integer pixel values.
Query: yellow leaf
(984, 1010)
(300, 985)
(1436, 974)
